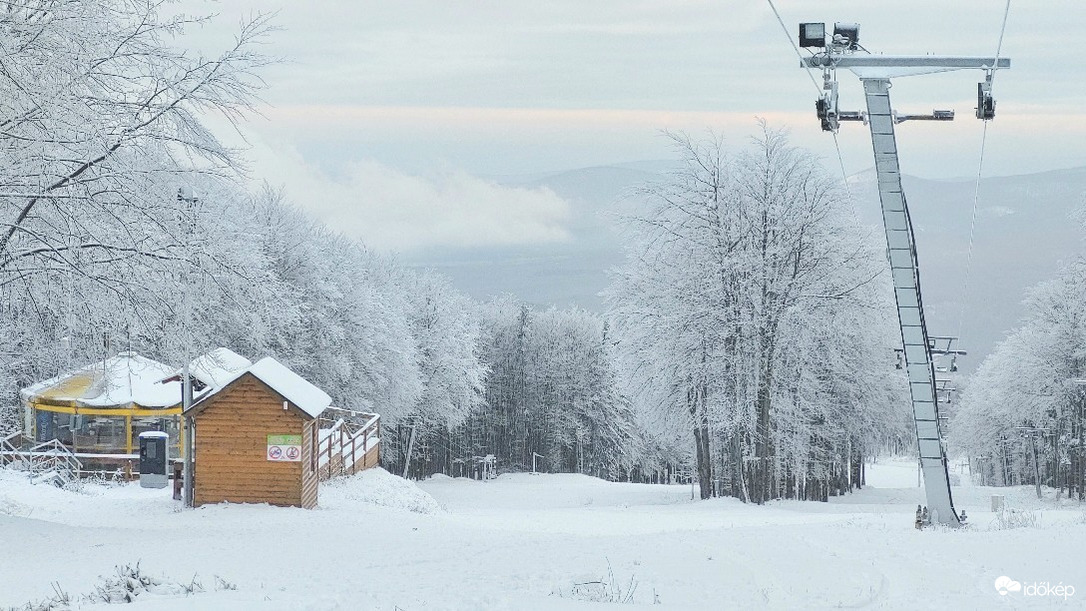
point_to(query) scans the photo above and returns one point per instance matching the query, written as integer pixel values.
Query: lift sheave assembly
(842, 49)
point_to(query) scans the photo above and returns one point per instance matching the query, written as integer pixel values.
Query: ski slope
(524, 541)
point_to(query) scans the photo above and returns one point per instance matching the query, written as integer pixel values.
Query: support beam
(901, 250)
(887, 66)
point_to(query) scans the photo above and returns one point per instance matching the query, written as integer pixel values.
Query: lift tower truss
(875, 72)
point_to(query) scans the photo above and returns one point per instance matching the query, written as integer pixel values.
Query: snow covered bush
(606, 589)
(11, 507)
(1016, 518)
(9, 419)
(130, 582)
(125, 586)
(59, 601)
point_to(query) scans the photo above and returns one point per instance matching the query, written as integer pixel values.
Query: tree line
(1022, 417)
(747, 345)
(127, 225)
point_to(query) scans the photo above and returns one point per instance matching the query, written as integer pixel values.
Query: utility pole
(186, 196)
(190, 430)
(829, 53)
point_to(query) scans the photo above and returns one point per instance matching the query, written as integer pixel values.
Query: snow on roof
(292, 386)
(127, 380)
(217, 367)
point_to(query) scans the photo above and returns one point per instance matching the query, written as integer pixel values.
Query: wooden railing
(348, 444)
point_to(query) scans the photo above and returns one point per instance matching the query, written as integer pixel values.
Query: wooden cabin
(255, 438)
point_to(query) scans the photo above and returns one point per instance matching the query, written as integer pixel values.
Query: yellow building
(99, 411)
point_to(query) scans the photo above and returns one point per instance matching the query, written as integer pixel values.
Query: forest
(1021, 417)
(748, 343)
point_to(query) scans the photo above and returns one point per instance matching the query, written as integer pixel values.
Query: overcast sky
(389, 117)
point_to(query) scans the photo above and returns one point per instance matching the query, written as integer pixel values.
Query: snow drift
(377, 487)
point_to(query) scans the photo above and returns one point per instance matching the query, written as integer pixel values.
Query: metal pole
(410, 447)
(901, 251)
(1036, 467)
(186, 402)
(186, 196)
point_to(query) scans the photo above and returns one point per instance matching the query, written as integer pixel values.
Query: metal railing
(48, 462)
(10, 452)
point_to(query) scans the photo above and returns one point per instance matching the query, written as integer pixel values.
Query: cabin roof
(217, 367)
(293, 387)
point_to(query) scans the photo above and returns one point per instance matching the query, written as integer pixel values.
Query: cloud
(504, 118)
(391, 210)
(997, 211)
(555, 85)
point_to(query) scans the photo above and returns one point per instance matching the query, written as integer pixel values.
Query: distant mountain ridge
(1024, 230)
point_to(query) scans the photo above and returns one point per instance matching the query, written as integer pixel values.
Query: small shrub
(125, 586)
(606, 589)
(1016, 518)
(222, 584)
(59, 601)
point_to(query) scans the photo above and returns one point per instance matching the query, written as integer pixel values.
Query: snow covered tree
(1023, 414)
(101, 109)
(101, 117)
(550, 398)
(446, 329)
(447, 332)
(743, 273)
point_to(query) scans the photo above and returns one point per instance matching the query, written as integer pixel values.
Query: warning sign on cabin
(285, 448)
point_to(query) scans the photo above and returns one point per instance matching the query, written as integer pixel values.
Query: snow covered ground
(526, 541)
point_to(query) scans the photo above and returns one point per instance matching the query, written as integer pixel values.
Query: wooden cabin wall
(310, 476)
(231, 449)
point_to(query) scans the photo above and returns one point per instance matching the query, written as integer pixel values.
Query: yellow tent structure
(99, 411)
(102, 408)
